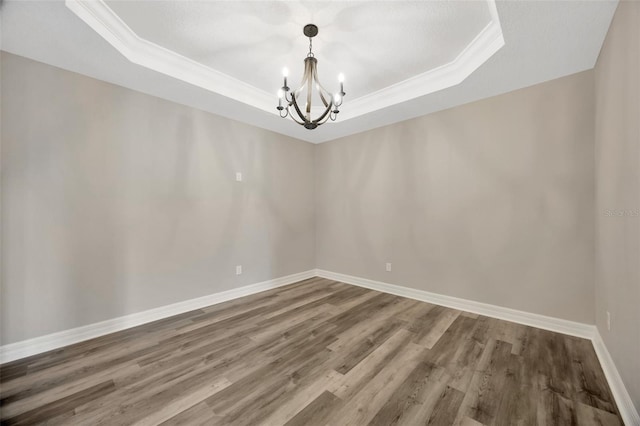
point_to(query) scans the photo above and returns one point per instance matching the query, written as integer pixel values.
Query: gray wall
(114, 202)
(491, 201)
(617, 82)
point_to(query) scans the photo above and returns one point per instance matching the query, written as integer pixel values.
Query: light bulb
(341, 77)
(281, 93)
(285, 72)
(337, 98)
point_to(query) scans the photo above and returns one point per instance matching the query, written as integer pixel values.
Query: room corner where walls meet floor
(55, 341)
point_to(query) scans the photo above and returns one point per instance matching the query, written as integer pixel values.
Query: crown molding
(104, 21)
(483, 46)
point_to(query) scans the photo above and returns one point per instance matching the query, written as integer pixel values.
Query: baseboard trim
(625, 404)
(627, 410)
(534, 320)
(29, 347)
(25, 348)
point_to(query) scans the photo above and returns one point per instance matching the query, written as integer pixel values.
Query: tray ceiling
(238, 49)
(253, 41)
(401, 59)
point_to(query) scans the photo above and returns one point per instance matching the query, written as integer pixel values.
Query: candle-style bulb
(281, 93)
(285, 73)
(341, 78)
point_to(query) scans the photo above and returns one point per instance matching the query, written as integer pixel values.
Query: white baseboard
(25, 348)
(623, 399)
(627, 410)
(534, 320)
(60, 339)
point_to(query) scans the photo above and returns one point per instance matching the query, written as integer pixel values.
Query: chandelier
(310, 80)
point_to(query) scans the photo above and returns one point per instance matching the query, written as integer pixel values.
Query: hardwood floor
(317, 352)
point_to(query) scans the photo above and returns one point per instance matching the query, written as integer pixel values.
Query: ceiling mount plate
(310, 30)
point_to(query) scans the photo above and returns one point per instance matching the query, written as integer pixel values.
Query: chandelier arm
(309, 90)
(323, 121)
(320, 123)
(322, 98)
(324, 115)
(300, 89)
(305, 78)
(321, 88)
(293, 117)
(297, 108)
(327, 118)
(308, 73)
(296, 93)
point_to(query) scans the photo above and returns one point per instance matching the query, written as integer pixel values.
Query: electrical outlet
(388, 267)
(238, 177)
(238, 269)
(608, 321)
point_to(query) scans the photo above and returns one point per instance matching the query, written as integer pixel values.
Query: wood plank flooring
(317, 352)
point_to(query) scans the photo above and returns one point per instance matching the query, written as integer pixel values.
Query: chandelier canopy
(310, 81)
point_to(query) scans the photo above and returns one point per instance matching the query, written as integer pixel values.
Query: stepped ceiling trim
(104, 21)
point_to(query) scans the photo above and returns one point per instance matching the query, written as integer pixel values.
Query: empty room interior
(320, 212)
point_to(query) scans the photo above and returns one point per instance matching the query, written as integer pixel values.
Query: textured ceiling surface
(543, 40)
(375, 44)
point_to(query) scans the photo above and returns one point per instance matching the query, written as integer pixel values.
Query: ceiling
(253, 41)
(401, 59)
